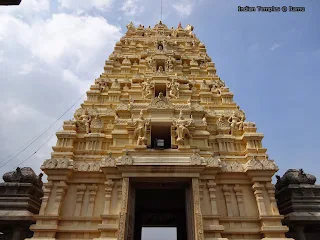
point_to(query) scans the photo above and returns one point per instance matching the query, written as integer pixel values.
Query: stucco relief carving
(264, 164)
(197, 107)
(87, 166)
(126, 159)
(54, 163)
(83, 121)
(231, 166)
(108, 161)
(96, 124)
(196, 159)
(213, 162)
(122, 107)
(160, 102)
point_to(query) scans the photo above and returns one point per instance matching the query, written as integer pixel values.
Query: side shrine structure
(159, 142)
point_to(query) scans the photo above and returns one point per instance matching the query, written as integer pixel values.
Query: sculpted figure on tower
(140, 133)
(182, 131)
(173, 88)
(147, 88)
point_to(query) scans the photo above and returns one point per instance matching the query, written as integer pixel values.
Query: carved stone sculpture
(24, 175)
(173, 88)
(115, 85)
(147, 88)
(140, 132)
(182, 131)
(294, 176)
(85, 120)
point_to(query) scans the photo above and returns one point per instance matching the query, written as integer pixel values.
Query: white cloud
(47, 61)
(184, 8)
(26, 68)
(132, 7)
(85, 5)
(275, 46)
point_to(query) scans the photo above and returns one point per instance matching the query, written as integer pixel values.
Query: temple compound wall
(159, 112)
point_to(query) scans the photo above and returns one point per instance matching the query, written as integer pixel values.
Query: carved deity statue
(140, 132)
(115, 85)
(173, 88)
(85, 119)
(147, 88)
(152, 64)
(160, 69)
(236, 121)
(169, 64)
(204, 120)
(204, 85)
(182, 131)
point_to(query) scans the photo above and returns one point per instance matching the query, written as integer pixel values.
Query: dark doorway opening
(163, 133)
(160, 208)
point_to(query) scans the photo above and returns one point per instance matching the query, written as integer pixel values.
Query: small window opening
(160, 88)
(160, 66)
(160, 137)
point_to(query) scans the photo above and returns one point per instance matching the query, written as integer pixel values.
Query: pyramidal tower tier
(159, 142)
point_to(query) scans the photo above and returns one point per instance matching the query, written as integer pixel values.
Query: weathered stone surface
(298, 200)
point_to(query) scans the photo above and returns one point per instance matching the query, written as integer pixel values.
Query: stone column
(258, 192)
(199, 235)
(80, 193)
(92, 195)
(108, 190)
(46, 194)
(61, 188)
(124, 209)
(239, 197)
(227, 195)
(273, 201)
(300, 232)
(212, 195)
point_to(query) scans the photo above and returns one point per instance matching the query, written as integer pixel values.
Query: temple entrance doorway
(160, 211)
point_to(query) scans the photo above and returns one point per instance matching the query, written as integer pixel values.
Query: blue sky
(50, 53)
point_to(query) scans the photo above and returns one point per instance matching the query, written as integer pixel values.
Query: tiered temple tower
(159, 142)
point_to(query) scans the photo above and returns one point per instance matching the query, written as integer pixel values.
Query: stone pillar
(300, 232)
(212, 195)
(227, 195)
(273, 201)
(214, 211)
(80, 193)
(258, 192)
(239, 197)
(108, 193)
(197, 210)
(47, 191)
(124, 209)
(61, 188)
(92, 195)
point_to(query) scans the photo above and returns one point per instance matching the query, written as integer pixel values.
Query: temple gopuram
(159, 142)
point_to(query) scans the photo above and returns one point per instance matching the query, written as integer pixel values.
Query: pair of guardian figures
(181, 125)
(148, 87)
